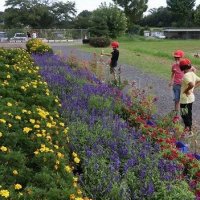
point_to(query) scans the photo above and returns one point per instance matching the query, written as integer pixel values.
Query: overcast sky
(93, 4)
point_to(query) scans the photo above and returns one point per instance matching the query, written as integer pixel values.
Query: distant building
(182, 33)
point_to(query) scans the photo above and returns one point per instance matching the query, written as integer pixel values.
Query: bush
(100, 42)
(86, 41)
(37, 46)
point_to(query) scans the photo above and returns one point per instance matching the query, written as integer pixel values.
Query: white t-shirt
(187, 78)
(34, 35)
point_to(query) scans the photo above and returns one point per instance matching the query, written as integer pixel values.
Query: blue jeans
(177, 92)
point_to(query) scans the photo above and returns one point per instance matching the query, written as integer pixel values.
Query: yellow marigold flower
(75, 184)
(32, 121)
(74, 154)
(24, 111)
(75, 179)
(62, 124)
(39, 135)
(48, 137)
(79, 198)
(66, 130)
(9, 104)
(18, 117)
(49, 125)
(36, 126)
(57, 162)
(4, 149)
(29, 112)
(56, 146)
(60, 155)
(3, 121)
(56, 167)
(72, 197)
(1, 134)
(8, 76)
(23, 88)
(77, 160)
(4, 193)
(36, 152)
(9, 125)
(68, 168)
(79, 192)
(18, 186)
(15, 172)
(27, 129)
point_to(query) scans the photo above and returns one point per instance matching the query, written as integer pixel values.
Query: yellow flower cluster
(3, 148)
(18, 186)
(4, 193)
(43, 149)
(76, 159)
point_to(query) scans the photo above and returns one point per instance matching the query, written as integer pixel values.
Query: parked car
(19, 37)
(3, 37)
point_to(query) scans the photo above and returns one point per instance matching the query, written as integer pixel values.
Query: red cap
(185, 62)
(115, 44)
(178, 54)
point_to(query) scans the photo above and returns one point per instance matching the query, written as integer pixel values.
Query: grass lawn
(152, 56)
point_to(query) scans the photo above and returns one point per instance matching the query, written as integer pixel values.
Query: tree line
(108, 19)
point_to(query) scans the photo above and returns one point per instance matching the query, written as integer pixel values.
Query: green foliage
(38, 14)
(99, 42)
(108, 21)
(34, 150)
(83, 20)
(182, 11)
(133, 9)
(158, 17)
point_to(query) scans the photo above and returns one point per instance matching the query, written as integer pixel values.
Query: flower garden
(64, 134)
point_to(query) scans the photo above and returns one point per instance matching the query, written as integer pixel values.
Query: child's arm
(172, 79)
(105, 54)
(197, 84)
(187, 90)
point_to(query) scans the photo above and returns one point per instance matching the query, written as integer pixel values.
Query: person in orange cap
(176, 80)
(189, 82)
(114, 58)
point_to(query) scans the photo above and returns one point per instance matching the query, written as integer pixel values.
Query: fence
(50, 34)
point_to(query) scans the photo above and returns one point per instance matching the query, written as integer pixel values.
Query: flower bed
(116, 161)
(34, 148)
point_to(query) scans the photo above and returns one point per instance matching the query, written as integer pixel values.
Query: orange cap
(115, 44)
(178, 54)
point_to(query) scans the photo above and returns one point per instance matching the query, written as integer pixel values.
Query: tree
(38, 13)
(197, 16)
(133, 9)
(158, 17)
(82, 21)
(182, 11)
(64, 13)
(111, 19)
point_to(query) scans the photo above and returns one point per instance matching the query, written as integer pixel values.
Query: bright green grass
(153, 56)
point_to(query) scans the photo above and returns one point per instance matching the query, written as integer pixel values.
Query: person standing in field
(187, 97)
(114, 58)
(176, 80)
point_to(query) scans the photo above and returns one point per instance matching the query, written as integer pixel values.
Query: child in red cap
(114, 58)
(189, 82)
(176, 80)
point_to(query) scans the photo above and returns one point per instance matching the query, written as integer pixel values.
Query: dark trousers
(186, 114)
